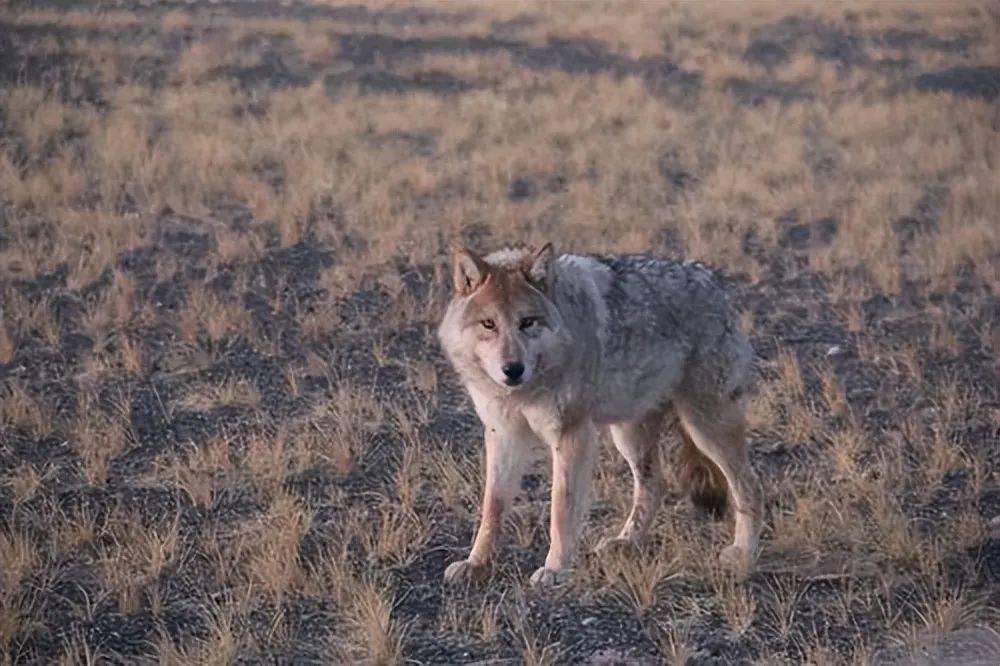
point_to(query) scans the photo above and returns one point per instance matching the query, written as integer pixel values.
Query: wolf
(555, 349)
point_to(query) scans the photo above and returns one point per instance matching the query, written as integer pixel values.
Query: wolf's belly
(634, 386)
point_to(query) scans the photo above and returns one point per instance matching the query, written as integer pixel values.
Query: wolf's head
(501, 323)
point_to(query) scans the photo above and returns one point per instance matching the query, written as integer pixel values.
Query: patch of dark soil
(921, 39)
(989, 506)
(766, 53)
(295, 268)
(42, 370)
(184, 236)
(195, 426)
(755, 93)
(307, 623)
(65, 74)
(267, 374)
(150, 71)
(455, 426)
(152, 505)
(74, 347)
(583, 627)
(526, 187)
(805, 236)
(42, 284)
(275, 326)
(127, 635)
(14, 36)
(806, 322)
(139, 262)
(367, 49)
(181, 619)
(980, 81)
(575, 57)
(68, 310)
(662, 77)
(274, 70)
(925, 217)
(800, 33)
(820, 151)
(450, 648)
(230, 211)
(899, 70)
(148, 414)
(72, 80)
(357, 13)
(21, 448)
(674, 171)
(581, 57)
(232, 505)
(316, 486)
(382, 81)
(666, 80)
(71, 586)
(988, 557)
(169, 294)
(160, 428)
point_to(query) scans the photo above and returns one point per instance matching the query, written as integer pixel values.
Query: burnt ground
(370, 54)
(385, 320)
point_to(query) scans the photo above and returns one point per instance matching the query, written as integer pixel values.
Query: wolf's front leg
(573, 452)
(504, 465)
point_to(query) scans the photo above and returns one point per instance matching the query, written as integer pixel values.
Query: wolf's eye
(528, 323)
(488, 324)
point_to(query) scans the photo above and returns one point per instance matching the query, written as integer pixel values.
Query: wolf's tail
(700, 477)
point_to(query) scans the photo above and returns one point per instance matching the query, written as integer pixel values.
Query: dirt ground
(228, 434)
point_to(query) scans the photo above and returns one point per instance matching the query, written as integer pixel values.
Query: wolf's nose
(513, 372)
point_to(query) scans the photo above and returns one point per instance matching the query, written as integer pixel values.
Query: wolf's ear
(538, 269)
(468, 269)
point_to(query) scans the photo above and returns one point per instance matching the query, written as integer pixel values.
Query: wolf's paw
(611, 545)
(464, 571)
(544, 577)
(737, 560)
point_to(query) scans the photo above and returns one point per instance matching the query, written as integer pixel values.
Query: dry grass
(208, 314)
(20, 410)
(222, 406)
(230, 393)
(271, 557)
(100, 439)
(341, 430)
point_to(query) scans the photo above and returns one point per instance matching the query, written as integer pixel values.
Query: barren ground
(227, 432)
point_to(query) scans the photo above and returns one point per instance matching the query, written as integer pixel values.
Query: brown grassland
(227, 432)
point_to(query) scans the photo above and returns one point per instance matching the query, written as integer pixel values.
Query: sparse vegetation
(227, 432)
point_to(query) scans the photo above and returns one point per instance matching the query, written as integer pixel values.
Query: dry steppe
(227, 432)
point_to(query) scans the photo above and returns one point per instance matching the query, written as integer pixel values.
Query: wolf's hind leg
(717, 427)
(638, 442)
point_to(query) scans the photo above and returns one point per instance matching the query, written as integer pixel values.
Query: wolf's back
(687, 302)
